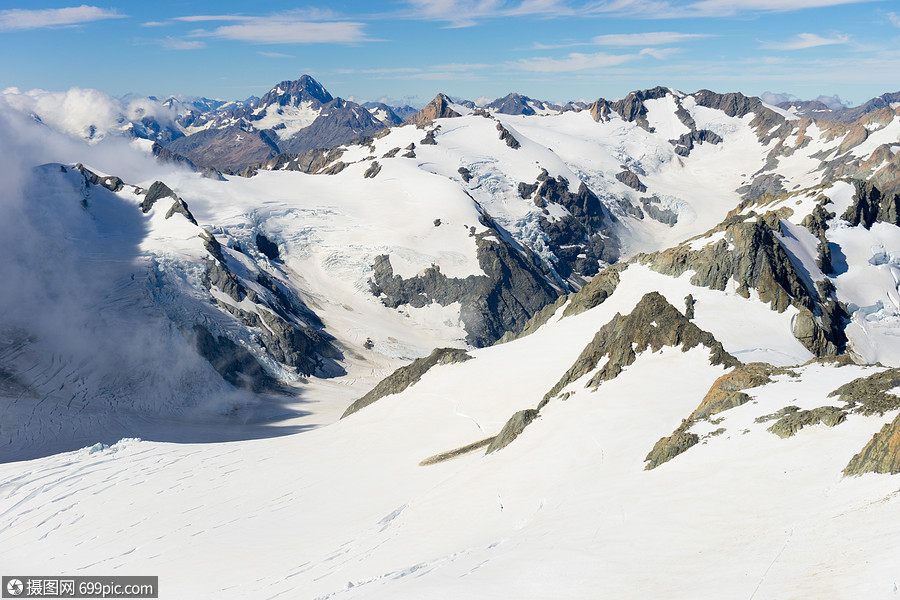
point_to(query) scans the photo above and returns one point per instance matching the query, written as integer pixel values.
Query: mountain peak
(439, 108)
(293, 93)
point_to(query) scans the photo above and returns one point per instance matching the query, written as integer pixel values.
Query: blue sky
(407, 51)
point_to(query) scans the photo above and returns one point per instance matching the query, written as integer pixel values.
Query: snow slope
(565, 511)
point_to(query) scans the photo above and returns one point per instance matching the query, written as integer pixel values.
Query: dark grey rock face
(268, 248)
(292, 93)
(507, 137)
(582, 239)
(757, 260)
(511, 104)
(870, 206)
(408, 375)
(465, 174)
(228, 148)
(236, 366)
(631, 179)
(341, 122)
(685, 143)
(663, 215)
(287, 329)
(512, 290)
(156, 191)
(180, 207)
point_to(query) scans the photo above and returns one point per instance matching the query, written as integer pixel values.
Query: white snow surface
(565, 511)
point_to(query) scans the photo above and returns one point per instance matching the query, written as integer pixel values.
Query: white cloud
(723, 8)
(895, 18)
(85, 113)
(656, 38)
(154, 24)
(803, 41)
(274, 55)
(659, 53)
(203, 18)
(171, 43)
(465, 13)
(573, 62)
(18, 19)
(287, 30)
(776, 99)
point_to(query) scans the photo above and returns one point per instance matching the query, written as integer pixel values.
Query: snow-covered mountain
(647, 348)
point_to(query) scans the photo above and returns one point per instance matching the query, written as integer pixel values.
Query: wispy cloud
(575, 61)
(727, 8)
(210, 18)
(803, 41)
(173, 43)
(155, 24)
(894, 18)
(293, 27)
(274, 55)
(18, 19)
(655, 38)
(466, 13)
(624, 40)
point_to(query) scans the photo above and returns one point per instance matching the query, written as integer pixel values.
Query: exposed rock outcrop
(870, 206)
(881, 454)
(156, 191)
(463, 450)
(582, 239)
(751, 255)
(509, 293)
(652, 324)
(669, 447)
(870, 395)
(686, 141)
(512, 429)
(768, 184)
(631, 179)
(439, 108)
(654, 211)
(727, 391)
(596, 291)
(181, 207)
(507, 137)
(284, 328)
(407, 375)
(234, 363)
(373, 170)
(793, 422)
(267, 247)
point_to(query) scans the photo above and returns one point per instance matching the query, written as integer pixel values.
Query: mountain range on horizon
(301, 115)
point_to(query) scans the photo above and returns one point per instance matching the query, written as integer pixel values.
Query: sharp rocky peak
(305, 89)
